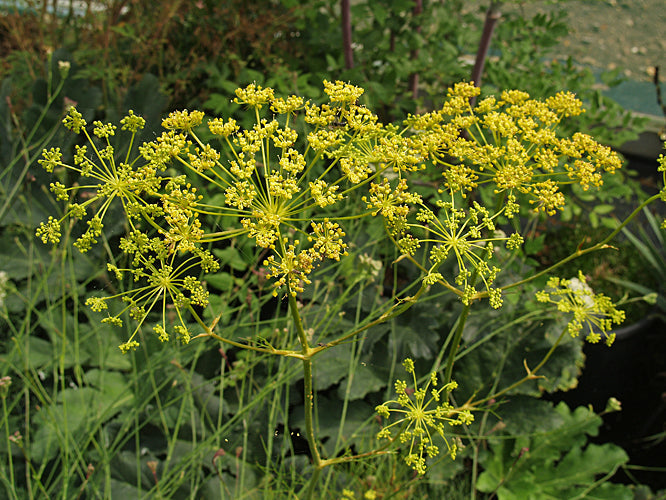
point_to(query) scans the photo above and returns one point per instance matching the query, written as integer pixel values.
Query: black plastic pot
(633, 370)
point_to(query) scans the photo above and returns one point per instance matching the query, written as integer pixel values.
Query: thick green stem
(453, 348)
(455, 345)
(308, 402)
(308, 395)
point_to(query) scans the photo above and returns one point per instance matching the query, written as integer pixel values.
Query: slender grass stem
(580, 252)
(10, 461)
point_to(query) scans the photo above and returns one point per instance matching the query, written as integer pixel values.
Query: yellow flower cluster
(292, 269)
(420, 418)
(467, 235)
(254, 96)
(511, 143)
(339, 92)
(283, 181)
(661, 161)
(273, 179)
(159, 279)
(590, 312)
(161, 275)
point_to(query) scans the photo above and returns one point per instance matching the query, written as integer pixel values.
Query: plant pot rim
(633, 329)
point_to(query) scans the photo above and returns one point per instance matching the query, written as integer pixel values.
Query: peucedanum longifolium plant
(285, 184)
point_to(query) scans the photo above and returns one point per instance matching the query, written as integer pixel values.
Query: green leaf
(579, 468)
(63, 419)
(231, 256)
(218, 103)
(576, 424)
(417, 333)
(331, 366)
(379, 12)
(558, 463)
(505, 353)
(40, 353)
(121, 489)
(102, 344)
(535, 245)
(594, 219)
(115, 391)
(147, 100)
(224, 282)
(523, 415)
(617, 492)
(15, 259)
(602, 209)
(367, 378)
(331, 62)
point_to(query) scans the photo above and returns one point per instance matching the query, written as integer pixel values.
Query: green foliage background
(205, 422)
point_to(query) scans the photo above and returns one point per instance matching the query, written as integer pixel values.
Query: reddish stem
(347, 33)
(492, 16)
(414, 77)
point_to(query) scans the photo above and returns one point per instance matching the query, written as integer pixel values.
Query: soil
(609, 34)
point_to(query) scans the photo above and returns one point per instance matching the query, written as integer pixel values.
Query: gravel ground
(609, 34)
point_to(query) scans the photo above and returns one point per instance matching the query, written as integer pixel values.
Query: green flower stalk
(420, 418)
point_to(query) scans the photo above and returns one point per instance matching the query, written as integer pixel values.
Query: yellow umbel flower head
(422, 413)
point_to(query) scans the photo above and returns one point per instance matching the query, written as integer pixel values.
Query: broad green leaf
(331, 366)
(603, 208)
(115, 390)
(367, 378)
(121, 489)
(579, 467)
(224, 282)
(505, 355)
(40, 353)
(65, 418)
(231, 256)
(577, 424)
(207, 396)
(535, 245)
(558, 463)
(417, 332)
(102, 347)
(522, 415)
